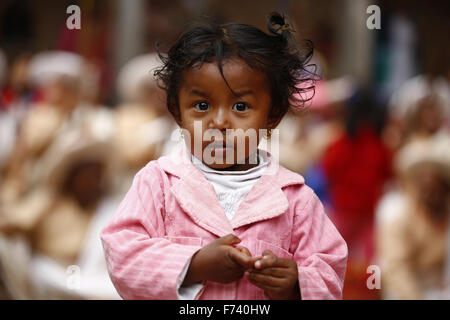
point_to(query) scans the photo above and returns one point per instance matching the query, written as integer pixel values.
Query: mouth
(219, 146)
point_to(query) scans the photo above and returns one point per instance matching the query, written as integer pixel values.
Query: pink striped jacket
(171, 211)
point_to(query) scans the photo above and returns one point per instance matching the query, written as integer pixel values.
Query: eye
(202, 106)
(240, 106)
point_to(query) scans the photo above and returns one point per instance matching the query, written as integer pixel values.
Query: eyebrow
(238, 93)
(244, 93)
(196, 92)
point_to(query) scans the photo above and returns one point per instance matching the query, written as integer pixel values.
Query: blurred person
(357, 167)
(60, 224)
(426, 118)
(418, 109)
(61, 80)
(324, 127)
(59, 76)
(413, 230)
(303, 134)
(143, 126)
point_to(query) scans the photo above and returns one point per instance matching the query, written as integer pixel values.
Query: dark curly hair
(275, 54)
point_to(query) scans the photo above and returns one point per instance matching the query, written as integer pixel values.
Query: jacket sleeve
(319, 250)
(142, 262)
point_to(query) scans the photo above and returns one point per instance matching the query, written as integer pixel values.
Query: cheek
(246, 143)
(193, 136)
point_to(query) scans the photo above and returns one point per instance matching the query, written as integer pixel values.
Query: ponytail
(276, 24)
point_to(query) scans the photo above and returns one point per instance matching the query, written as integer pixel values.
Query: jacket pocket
(188, 241)
(278, 251)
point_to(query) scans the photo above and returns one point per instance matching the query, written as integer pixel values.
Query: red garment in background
(357, 169)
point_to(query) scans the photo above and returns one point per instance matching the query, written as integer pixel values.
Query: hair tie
(285, 27)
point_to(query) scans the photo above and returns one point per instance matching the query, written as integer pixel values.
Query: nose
(220, 119)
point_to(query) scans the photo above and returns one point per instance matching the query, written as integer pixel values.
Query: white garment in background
(88, 278)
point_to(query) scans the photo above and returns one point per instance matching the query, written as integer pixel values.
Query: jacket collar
(197, 197)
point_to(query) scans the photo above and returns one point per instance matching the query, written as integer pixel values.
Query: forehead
(237, 73)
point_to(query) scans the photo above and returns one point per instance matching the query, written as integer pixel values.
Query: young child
(196, 226)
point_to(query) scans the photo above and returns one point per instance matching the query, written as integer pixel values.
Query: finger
(273, 272)
(266, 279)
(246, 261)
(247, 252)
(264, 286)
(268, 253)
(229, 239)
(267, 261)
(240, 258)
(244, 250)
(286, 263)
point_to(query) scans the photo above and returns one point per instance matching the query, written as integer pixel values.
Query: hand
(220, 261)
(278, 277)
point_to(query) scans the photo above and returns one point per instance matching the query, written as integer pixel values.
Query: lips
(219, 145)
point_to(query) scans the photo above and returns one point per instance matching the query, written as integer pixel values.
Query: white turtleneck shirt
(232, 187)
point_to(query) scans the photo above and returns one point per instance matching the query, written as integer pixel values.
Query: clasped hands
(224, 261)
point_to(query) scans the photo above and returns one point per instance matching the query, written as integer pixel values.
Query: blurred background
(80, 114)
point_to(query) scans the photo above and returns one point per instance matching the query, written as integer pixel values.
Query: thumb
(229, 239)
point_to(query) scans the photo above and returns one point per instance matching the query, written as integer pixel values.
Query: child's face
(205, 98)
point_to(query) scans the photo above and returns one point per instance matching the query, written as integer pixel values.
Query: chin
(222, 166)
